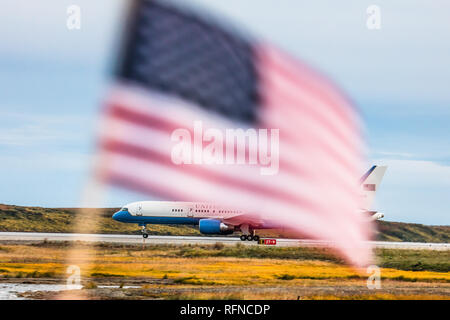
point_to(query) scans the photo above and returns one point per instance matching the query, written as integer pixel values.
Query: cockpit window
(124, 209)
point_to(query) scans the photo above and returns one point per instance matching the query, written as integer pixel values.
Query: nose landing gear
(144, 232)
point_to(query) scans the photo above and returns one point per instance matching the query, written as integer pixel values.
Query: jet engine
(213, 226)
(377, 215)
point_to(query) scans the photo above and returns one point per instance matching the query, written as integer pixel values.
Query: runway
(178, 240)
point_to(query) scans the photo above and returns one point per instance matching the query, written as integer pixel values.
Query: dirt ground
(310, 289)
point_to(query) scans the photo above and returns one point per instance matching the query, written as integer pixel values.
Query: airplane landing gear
(248, 233)
(249, 237)
(144, 232)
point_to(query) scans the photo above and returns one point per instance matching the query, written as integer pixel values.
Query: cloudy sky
(52, 81)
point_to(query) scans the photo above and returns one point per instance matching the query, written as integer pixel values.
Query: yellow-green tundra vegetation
(226, 272)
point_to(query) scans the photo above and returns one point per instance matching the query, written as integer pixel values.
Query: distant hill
(37, 219)
(412, 232)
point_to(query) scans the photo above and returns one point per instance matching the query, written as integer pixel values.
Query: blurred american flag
(178, 67)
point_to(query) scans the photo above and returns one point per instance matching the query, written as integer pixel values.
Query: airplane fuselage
(171, 212)
(209, 217)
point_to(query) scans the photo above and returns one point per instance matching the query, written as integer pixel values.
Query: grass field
(37, 219)
(228, 272)
(216, 271)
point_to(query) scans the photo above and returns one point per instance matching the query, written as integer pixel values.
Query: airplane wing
(251, 219)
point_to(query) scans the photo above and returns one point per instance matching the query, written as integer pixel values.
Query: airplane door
(139, 210)
(190, 213)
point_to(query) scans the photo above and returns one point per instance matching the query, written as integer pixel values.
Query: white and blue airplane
(213, 219)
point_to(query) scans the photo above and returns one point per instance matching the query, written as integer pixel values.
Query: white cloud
(24, 129)
(414, 191)
(395, 154)
(416, 172)
(40, 162)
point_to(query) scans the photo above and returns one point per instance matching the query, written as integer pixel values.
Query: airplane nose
(119, 215)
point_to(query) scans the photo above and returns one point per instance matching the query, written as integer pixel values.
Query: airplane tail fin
(370, 182)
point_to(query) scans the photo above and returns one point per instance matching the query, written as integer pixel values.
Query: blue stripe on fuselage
(125, 216)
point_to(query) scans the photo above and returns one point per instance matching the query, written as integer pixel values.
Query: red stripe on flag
(306, 79)
(202, 172)
(160, 122)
